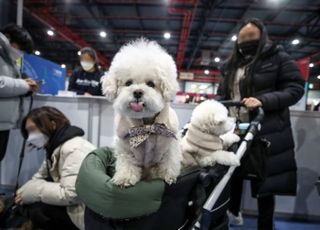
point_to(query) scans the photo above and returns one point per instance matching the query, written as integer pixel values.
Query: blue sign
(49, 75)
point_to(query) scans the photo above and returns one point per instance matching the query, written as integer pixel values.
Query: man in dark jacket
(261, 74)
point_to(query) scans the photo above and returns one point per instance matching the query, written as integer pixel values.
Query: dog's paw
(229, 139)
(169, 176)
(206, 161)
(170, 179)
(234, 138)
(226, 158)
(124, 181)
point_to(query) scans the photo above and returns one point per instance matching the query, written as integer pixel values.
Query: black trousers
(4, 137)
(93, 221)
(266, 204)
(49, 217)
(266, 209)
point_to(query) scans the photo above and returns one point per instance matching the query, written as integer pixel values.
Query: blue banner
(49, 75)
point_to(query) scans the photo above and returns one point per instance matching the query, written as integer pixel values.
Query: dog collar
(149, 120)
(138, 135)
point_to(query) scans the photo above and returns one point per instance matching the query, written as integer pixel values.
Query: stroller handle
(260, 113)
(230, 103)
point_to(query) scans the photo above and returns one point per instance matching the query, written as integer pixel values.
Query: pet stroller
(199, 199)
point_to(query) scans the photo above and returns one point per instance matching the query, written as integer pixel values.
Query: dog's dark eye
(128, 83)
(150, 84)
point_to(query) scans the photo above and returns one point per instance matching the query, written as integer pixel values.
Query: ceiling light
(295, 42)
(275, 3)
(310, 86)
(167, 35)
(206, 72)
(63, 66)
(318, 77)
(311, 65)
(79, 53)
(103, 34)
(50, 33)
(234, 38)
(37, 52)
(217, 59)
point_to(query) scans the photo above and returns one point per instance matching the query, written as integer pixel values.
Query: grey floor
(250, 224)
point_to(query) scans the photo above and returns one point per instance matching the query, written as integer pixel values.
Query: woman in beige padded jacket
(49, 198)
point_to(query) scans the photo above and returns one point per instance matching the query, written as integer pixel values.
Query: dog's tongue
(136, 106)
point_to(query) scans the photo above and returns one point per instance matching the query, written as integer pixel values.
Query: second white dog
(142, 80)
(208, 136)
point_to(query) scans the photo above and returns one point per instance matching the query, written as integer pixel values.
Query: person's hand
(252, 102)
(33, 85)
(87, 94)
(18, 199)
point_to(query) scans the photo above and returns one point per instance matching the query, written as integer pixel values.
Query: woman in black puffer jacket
(261, 73)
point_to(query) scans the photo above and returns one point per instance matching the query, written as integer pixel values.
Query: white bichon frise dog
(209, 134)
(141, 81)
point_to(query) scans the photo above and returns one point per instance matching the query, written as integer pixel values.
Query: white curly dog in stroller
(209, 134)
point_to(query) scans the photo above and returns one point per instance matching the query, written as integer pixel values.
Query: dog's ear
(219, 119)
(169, 85)
(169, 90)
(109, 87)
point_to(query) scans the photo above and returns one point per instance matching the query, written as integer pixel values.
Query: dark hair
(92, 53)
(43, 118)
(234, 62)
(19, 35)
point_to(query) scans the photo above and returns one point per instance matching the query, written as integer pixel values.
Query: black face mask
(249, 48)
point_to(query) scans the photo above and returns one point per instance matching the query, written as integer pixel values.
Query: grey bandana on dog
(137, 135)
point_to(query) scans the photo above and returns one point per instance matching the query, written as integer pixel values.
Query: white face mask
(87, 65)
(15, 54)
(37, 140)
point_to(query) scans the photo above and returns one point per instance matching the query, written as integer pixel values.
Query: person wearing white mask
(14, 40)
(49, 199)
(87, 80)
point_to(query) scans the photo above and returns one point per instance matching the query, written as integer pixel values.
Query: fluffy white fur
(146, 67)
(209, 134)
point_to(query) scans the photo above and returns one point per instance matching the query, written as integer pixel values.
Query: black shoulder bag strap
(21, 156)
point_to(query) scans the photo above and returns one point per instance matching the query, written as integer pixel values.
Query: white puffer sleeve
(63, 191)
(11, 87)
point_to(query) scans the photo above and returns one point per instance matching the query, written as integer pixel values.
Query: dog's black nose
(138, 94)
